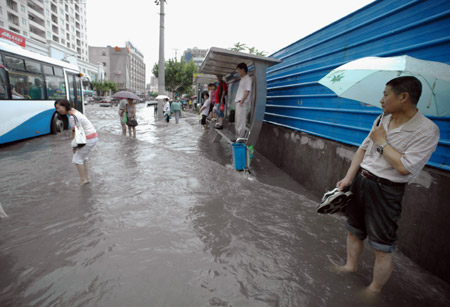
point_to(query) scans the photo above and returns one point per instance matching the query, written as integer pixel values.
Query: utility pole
(161, 68)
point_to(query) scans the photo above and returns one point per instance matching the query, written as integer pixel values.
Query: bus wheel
(57, 124)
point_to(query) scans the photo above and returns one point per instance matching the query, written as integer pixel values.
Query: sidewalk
(167, 221)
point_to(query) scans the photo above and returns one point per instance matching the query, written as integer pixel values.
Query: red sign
(15, 38)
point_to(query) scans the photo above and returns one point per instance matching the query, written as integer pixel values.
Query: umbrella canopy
(162, 97)
(365, 79)
(126, 95)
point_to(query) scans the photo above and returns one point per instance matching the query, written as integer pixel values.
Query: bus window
(33, 66)
(19, 85)
(37, 89)
(56, 88)
(75, 91)
(3, 83)
(14, 63)
(48, 70)
(59, 71)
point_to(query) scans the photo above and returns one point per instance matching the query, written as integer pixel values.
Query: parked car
(106, 102)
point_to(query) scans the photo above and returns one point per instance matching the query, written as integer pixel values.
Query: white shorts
(81, 154)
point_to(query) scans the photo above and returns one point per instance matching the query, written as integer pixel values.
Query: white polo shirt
(416, 140)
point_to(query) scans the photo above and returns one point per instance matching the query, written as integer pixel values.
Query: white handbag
(80, 136)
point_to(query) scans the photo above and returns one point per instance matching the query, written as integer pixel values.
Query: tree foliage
(241, 47)
(103, 87)
(178, 76)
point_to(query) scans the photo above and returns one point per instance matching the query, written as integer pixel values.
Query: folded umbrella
(364, 80)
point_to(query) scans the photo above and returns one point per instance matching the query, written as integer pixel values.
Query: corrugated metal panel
(383, 28)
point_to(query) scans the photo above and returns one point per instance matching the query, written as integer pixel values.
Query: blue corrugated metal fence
(383, 28)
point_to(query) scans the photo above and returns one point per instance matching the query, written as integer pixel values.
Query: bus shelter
(223, 62)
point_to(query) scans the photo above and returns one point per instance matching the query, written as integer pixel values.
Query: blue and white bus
(30, 84)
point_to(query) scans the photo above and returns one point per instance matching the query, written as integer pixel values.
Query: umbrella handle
(432, 94)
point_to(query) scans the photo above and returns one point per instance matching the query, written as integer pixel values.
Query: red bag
(222, 107)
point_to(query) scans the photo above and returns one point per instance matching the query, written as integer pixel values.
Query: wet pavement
(167, 221)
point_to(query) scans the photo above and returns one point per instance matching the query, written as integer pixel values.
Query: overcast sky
(263, 24)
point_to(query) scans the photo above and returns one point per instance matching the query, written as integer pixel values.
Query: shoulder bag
(79, 139)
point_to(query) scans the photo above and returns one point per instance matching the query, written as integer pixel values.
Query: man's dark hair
(243, 66)
(408, 84)
(64, 103)
(205, 93)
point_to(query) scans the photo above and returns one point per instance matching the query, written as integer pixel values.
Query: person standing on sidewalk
(166, 110)
(204, 110)
(80, 156)
(242, 100)
(392, 154)
(220, 101)
(175, 108)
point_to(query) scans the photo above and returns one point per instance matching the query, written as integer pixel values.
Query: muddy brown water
(167, 221)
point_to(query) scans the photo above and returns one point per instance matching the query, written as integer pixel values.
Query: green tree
(179, 76)
(103, 87)
(238, 47)
(252, 50)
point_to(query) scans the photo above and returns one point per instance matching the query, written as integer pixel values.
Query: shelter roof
(223, 62)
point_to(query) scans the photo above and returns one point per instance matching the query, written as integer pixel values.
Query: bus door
(75, 96)
(4, 84)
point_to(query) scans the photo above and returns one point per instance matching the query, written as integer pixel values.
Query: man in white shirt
(166, 110)
(394, 152)
(204, 110)
(242, 100)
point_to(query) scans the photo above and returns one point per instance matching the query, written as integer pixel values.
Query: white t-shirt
(206, 105)
(244, 85)
(85, 123)
(166, 107)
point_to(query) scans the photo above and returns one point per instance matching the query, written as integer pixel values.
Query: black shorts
(374, 212)
(204, 119)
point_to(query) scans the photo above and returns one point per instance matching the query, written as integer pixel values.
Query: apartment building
(51, 27)
(122, 65)
(195, 54)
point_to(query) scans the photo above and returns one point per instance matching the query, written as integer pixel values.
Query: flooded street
(167, 221)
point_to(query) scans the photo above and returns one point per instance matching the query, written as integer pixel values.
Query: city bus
(30, 84)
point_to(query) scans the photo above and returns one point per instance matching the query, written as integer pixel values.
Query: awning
(200, 78)
(223, 62)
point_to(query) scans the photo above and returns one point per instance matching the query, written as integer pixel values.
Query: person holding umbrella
(130, 109)
(396, 149)
(131, 117)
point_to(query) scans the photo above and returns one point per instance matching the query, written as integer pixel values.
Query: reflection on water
(166, 221)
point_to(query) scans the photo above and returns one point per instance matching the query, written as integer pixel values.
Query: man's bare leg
(354, 249)
(381, 271)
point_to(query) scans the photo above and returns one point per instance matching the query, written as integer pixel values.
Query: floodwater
(167, 221)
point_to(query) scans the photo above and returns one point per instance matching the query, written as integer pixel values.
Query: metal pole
(161, 68)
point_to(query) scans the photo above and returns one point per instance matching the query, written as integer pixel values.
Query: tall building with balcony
(122, 65)
(50, 27)
(195, 54)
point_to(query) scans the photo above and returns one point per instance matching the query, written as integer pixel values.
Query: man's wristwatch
(381, 147)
